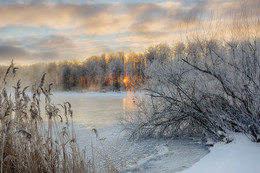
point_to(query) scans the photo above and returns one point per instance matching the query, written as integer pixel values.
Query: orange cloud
(37, 15)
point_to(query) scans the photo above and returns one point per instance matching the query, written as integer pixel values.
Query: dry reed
(35, 140)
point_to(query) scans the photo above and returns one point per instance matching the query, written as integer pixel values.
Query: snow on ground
(147, 156)
(239, 156)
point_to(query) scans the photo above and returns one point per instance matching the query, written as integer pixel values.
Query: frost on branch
(208, 89)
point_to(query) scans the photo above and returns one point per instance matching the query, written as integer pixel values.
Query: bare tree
(212, 88)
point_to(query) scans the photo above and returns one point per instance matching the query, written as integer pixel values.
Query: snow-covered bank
(239, 156)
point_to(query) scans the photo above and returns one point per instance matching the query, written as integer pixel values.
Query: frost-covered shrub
(209, 89)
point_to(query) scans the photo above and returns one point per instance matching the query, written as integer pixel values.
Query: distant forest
(107, 72)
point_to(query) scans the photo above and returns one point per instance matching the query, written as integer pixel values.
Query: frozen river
(101, 111)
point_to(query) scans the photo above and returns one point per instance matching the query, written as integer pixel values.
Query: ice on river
(150, 155)
(100, 111)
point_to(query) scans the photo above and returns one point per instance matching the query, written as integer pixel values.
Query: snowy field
(101, 111)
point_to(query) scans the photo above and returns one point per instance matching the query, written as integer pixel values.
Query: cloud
(8, 52)
(152, 38)
(115, 18)
(84, 28)
(50, 48)
(91, 18)
(37, 15)
(55, 42)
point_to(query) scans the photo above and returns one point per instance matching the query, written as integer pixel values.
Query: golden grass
(30, 144)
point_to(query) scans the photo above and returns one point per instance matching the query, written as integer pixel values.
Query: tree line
(105, 72)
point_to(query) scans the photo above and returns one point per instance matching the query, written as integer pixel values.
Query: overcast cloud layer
(43, 31)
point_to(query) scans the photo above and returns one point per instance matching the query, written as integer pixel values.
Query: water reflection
(96, 109)
(128, 103)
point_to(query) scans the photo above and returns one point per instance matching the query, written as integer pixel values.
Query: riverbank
(239, 156)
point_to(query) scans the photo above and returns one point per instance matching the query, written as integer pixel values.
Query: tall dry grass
(35, 139)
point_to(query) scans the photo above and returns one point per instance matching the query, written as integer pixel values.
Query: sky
(45, 31)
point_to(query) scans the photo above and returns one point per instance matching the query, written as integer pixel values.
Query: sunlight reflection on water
(96, 109)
